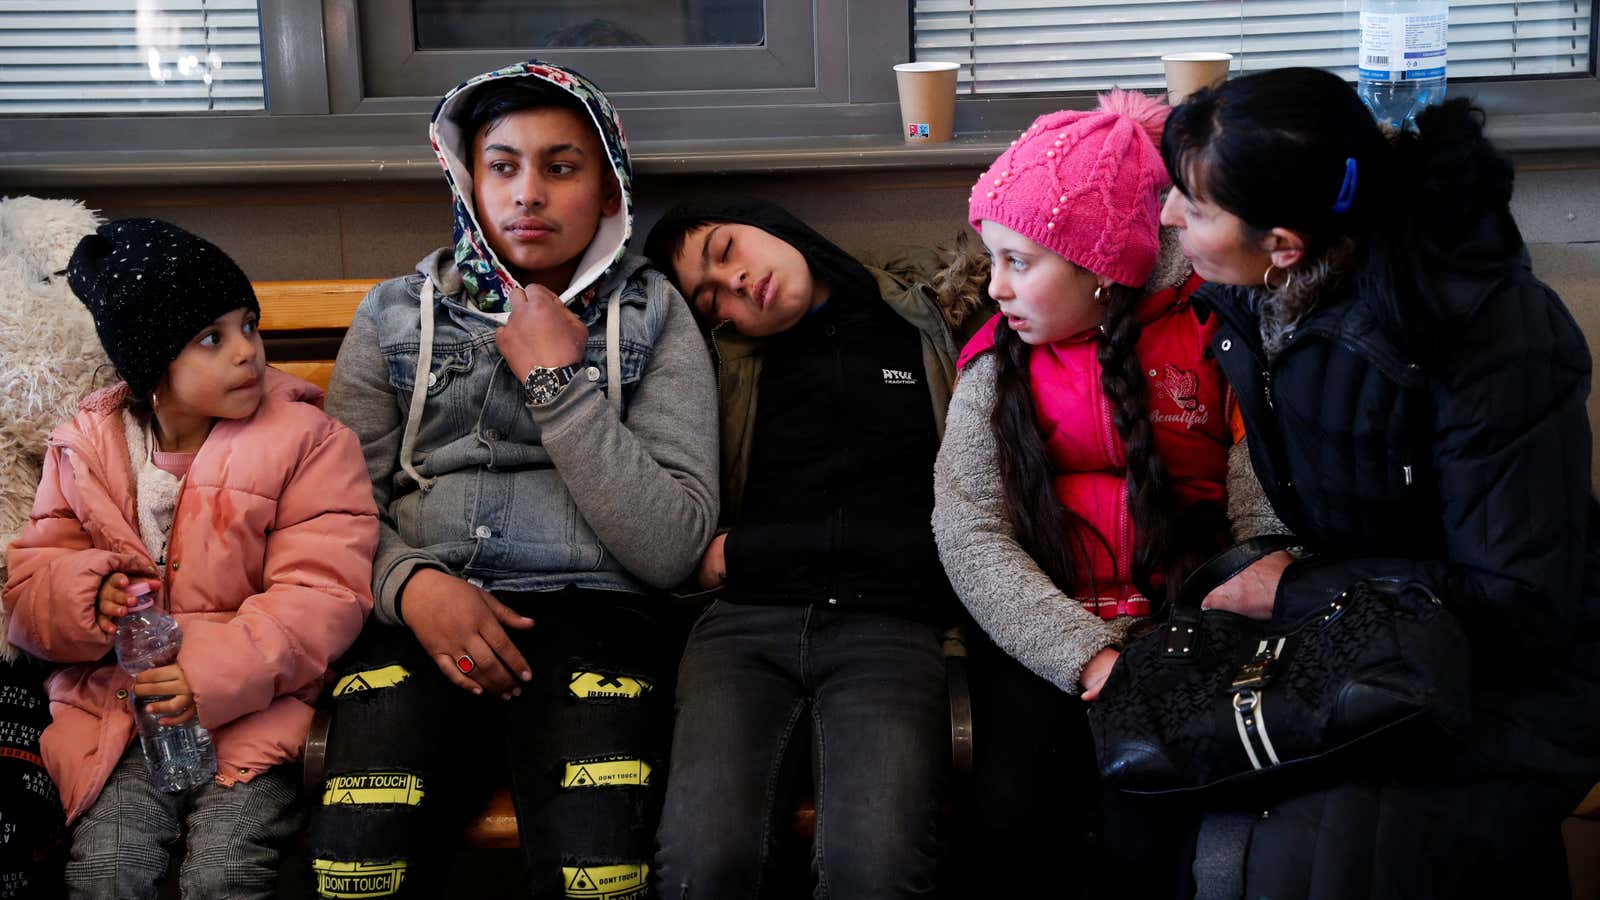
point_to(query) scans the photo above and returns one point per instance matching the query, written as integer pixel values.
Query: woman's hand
(453, 619)
(1254, 591)
(113, 600)
(168, 682)
(541, 332)
(1096, 672)
(714, 566)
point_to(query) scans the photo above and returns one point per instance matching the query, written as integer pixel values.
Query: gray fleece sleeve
(1011, 598)
(1250, 513)
(647, 485)
(360, 396)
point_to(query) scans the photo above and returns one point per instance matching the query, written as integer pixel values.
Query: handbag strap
(1183, 623)
(1230, 562)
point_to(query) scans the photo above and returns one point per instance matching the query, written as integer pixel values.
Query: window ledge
(1557, 133)
(198, 167)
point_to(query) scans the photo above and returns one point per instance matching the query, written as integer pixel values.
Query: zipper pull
(1266, 388)
(1407, 471)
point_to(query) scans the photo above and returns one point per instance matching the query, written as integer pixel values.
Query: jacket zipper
(166, 566)
(716, 354)
(1275, 442)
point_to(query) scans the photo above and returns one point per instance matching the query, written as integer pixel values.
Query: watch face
(541, 386)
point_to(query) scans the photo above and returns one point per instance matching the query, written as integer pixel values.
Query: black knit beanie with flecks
(151, 287)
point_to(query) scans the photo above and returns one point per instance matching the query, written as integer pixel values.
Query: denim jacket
(523, 498)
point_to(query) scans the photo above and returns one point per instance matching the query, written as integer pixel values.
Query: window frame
(784, 61)
(321, 123)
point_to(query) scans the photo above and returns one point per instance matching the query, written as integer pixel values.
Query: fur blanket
(50, 357)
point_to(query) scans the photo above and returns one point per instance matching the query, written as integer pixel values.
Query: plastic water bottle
(177, 757)
(1402, 62)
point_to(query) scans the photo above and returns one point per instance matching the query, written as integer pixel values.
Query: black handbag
(1214, 699)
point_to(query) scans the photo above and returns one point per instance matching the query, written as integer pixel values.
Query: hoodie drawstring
(419, 385)
(419, 388)
(614, 352)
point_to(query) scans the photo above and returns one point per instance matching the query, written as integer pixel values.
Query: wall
(381, 230)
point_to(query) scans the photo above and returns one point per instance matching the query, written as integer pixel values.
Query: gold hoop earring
(1266, 278)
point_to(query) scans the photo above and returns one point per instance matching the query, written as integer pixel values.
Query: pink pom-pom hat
(1086, 184)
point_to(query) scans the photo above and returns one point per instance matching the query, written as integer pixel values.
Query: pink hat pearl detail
(1104, 218)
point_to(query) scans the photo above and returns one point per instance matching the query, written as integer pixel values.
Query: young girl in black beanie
(223, 483)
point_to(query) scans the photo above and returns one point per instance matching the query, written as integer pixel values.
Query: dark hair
(667, 237)
(503, 96)
(828, 263)
(1273, 148)
(1045, 528)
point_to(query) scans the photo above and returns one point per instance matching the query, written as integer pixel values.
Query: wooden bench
(302, 321)
(301, 324)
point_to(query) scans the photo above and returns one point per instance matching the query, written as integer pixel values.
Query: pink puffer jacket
(269, 574)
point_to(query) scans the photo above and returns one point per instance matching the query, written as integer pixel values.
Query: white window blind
(69, 57)
(1084, 45)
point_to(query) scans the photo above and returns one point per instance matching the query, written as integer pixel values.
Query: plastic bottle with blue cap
(1402, 58)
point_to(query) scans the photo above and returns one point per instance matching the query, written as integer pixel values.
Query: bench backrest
(302, 320)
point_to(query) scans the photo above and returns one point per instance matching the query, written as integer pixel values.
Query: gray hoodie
(604, 488)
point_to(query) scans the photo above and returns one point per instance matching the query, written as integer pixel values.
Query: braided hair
(1045, 528)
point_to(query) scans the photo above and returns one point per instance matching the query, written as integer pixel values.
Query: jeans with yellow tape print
(412, 758)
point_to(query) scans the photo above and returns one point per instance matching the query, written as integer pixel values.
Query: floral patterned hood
(483, 277)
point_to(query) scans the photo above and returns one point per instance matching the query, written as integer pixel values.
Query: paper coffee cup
(927, 101)
(1189, 72)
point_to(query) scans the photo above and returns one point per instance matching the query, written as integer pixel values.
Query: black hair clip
(1347, 191)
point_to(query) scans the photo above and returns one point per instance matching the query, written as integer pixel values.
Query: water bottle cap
(140, 591)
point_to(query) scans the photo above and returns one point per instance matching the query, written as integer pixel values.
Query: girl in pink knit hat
(1084, 467)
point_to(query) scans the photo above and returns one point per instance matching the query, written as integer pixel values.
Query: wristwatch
(544, 384)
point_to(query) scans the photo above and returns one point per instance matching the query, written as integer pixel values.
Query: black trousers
(32, 823)
(1036, 800)
(412, 757)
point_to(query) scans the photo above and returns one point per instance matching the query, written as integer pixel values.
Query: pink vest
(1188, 406)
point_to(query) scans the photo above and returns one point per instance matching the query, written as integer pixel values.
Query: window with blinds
(1085, 45)
(70, 57)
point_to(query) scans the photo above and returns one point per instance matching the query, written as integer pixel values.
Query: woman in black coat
(1414, 400)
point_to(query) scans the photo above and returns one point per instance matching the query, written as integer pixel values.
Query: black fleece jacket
(840, 492)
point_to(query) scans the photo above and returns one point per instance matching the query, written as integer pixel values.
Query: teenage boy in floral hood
(557, 466)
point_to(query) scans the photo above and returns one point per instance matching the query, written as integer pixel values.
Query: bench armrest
(954, 642)
(314, 758)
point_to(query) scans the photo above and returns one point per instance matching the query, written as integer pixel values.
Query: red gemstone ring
(465, 664)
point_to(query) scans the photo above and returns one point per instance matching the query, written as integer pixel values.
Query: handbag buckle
(1253, 674)
(1257, 671)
